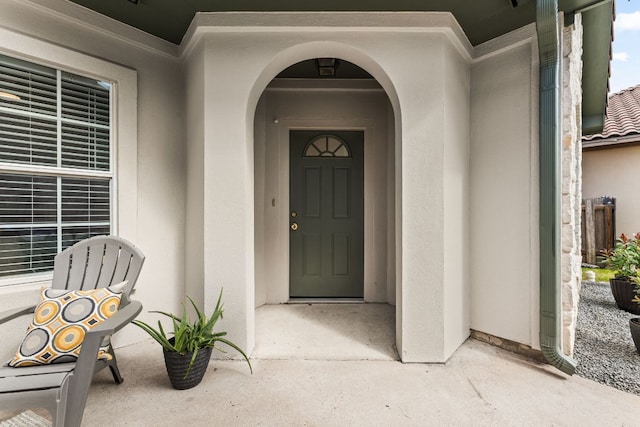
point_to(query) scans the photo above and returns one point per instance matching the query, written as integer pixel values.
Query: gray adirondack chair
(63, 388)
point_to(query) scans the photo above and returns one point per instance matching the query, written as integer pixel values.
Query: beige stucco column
(220, 241)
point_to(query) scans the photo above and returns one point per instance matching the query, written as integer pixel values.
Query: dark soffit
(481, 20)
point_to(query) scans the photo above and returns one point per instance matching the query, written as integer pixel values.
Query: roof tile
(623, 115)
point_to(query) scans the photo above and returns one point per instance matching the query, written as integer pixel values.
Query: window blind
(55, 163)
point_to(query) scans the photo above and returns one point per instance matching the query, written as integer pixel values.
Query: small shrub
(624, 258)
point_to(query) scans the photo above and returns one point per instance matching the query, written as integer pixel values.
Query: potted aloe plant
(624, 259)
(188, 350)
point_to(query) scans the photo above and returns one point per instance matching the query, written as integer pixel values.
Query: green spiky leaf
(191, 336)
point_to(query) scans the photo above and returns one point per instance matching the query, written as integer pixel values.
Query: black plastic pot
(177, 365)
(634, 325)
(623, 292)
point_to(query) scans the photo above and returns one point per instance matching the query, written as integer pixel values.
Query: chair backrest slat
(124, 260)
(127, 269)
(78, 268)
(133, 272)
(61, 268)
(109, 264)
(98, 262)
(94, 265)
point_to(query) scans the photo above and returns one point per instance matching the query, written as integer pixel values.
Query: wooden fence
(598, 227)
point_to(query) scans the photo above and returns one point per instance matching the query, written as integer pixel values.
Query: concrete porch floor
(357, 383)
(480, 385)
(326, 332)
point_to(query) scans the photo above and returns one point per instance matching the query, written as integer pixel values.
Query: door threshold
(325, 301)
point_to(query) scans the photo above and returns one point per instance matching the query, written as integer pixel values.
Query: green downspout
(547, 27)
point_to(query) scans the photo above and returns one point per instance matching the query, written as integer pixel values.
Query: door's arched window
(326, 146)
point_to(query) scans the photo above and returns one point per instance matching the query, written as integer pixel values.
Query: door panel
(341, 196)
(341, 245)
(312, 191)
(311, 257)
(327, 214)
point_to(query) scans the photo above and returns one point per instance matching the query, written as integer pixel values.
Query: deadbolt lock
(294, 214)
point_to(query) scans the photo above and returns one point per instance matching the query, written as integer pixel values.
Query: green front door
(326, 258)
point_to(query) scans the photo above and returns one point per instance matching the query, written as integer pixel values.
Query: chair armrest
(10, 314)
(119, 320)
(93, 338)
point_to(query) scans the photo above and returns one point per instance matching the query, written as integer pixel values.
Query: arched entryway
(344, 204)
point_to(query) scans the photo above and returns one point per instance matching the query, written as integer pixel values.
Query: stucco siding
(456, 199)
(450, 175)
(153, 217)
(614, 172)
(503, 182)
(194, 207)
(242, 65)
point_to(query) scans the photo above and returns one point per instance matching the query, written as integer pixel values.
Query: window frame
(326, 137)
(123, 123)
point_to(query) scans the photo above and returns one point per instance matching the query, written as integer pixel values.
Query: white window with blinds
(56, 164)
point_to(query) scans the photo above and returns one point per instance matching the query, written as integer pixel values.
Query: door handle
(294, 226)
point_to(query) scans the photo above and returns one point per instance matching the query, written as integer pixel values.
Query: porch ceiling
(169, 19)
(481, 20)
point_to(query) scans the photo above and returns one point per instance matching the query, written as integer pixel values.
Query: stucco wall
(614, 172)
(153, 217)
(451, 106)
(456, 199)
(416, 79)
(194, 207)
(504, 188)
(264, 211)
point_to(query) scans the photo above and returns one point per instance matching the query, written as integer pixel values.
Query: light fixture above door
(327, 66)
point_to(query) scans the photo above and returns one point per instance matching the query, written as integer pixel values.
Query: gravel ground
(604, 348)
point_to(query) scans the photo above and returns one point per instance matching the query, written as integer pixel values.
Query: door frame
(363, 106)
(356, 167)
(286, 125)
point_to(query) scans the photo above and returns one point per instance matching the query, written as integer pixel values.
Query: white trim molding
(334, 22)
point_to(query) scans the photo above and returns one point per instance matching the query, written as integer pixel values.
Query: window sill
(25, 283)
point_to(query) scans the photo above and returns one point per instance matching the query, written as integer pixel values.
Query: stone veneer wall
(571, 179)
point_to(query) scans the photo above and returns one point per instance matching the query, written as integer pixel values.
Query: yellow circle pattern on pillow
(60, 322)
(46, 311)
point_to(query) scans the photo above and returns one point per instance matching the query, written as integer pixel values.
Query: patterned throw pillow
(60, 322)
